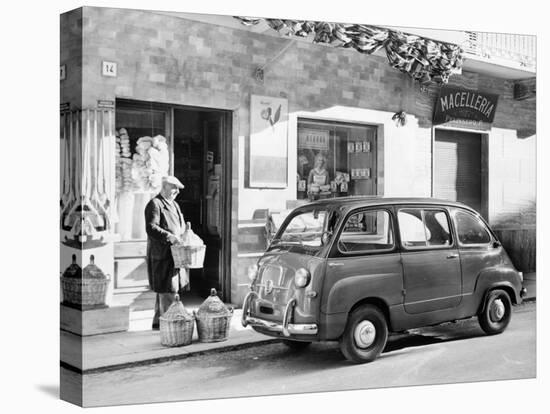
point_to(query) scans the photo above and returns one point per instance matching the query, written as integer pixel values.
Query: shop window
(367, 231)
(470, 229)
(142, 159)
(424, 228)
(335, 160)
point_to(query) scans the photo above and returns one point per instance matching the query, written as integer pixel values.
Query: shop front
(320, 122)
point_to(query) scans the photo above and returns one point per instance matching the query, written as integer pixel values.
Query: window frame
(450, 223)
(477, 217)
(337, 252)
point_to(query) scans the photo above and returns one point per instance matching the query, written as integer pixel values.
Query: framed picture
(268, 142)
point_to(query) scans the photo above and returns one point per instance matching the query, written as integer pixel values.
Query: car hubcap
(364, 334)
(497, 310)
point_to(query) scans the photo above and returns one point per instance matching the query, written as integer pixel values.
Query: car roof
(365, 201)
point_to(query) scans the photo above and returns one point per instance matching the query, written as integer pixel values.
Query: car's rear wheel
(365, 335)
(496, 313)
(296, 345)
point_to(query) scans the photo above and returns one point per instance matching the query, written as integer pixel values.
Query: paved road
(445, 354)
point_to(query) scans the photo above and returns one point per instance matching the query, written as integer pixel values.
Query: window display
(142, 159)
(335, 160)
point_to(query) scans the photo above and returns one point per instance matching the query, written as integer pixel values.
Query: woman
(318, 175)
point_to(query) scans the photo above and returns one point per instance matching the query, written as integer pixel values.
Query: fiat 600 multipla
(354, 269)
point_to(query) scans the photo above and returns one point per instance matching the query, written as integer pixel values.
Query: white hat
(170, 179)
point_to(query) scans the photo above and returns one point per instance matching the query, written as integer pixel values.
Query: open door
(202, 163)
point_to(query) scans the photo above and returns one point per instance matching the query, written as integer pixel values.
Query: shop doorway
(458, 167)
(201, 156)
(198, 151)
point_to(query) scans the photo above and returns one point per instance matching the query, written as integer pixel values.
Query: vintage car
(354, 269)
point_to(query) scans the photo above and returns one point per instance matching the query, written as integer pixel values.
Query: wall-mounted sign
(464, 107)
(62, 72)
(105, 104)
(313, 139)
(268, 142)
(108, 69)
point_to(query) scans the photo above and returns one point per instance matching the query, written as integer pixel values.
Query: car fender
(498, 277)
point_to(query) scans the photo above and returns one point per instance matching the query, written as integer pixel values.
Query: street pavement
(449, 353)
(140, 345)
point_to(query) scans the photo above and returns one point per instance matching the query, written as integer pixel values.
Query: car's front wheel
(365, 335)
(496, 313)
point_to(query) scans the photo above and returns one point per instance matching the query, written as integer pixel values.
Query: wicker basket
(176, 325)
(213, 319)
(84, 287)
(177, 332)
(84, 291)
(191, 257)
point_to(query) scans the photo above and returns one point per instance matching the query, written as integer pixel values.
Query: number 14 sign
(108, 69)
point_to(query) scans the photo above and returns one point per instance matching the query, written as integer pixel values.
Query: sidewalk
(140, 345)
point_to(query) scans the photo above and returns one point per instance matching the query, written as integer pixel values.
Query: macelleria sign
(464, 106)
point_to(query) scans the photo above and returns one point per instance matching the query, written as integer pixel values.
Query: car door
(432, 276)
(363, 262)
(477, 248)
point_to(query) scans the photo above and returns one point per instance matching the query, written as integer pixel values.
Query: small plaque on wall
(105, 104)
(109, 69)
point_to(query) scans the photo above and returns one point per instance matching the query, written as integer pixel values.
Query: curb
(152, 361)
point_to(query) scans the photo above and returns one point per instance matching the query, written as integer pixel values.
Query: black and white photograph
(275, 203)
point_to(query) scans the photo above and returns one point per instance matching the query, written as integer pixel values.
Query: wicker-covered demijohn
(213, 319)
(84, 287)
(176, 325)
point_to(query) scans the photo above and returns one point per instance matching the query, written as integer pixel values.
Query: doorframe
(484, 155)
(226, 205)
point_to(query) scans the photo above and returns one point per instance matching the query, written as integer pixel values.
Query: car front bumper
(285, 327)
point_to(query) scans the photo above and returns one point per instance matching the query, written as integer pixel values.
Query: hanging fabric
(422, 59)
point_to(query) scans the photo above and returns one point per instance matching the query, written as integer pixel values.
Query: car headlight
(302, 278)
(252, 272)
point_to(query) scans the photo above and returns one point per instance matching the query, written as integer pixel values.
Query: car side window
(470, 229)
(424, 228)
(367, 231)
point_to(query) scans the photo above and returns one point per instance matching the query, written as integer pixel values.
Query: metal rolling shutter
(457, 167)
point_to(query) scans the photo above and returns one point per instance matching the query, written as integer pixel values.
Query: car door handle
(452, 256)
(335, 264)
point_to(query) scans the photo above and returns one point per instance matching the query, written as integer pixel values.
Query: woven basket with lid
(176, 325)
(213, 319)
(86, 286)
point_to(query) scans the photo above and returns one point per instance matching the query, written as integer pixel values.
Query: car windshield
(307, 231)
